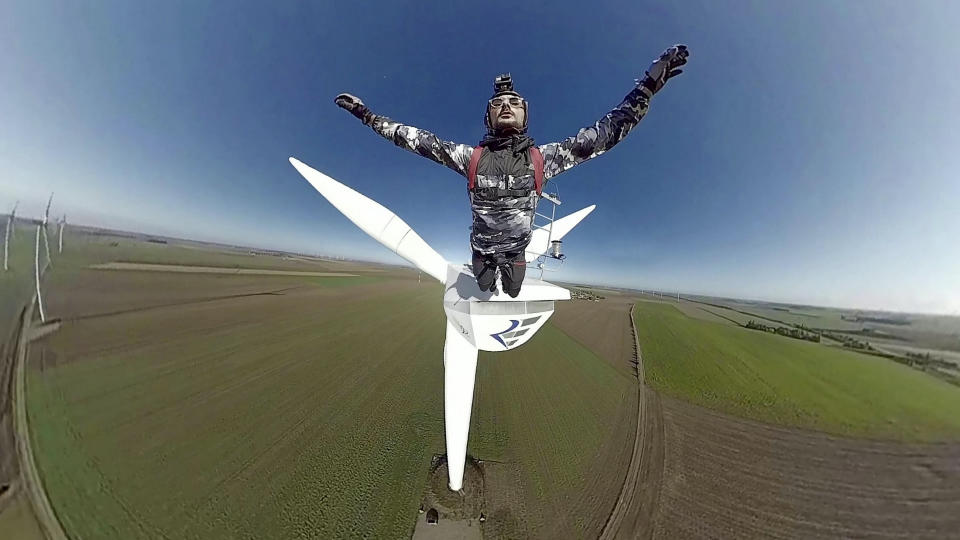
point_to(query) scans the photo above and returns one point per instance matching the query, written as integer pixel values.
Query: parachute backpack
(503, 85)
(535, 157)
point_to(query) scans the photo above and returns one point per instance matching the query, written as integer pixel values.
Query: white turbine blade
(460, 370)
(46, 244)
(37, 273)
(6, 242)
(377, 221)
(542, 236)
(46, 213)
(13, 219)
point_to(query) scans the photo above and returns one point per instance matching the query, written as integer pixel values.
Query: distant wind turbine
(8, 235)
(62, 223)
(46, 219)
(37, 273)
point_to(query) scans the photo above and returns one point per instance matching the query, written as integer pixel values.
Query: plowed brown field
(733, 478)
(603, 327)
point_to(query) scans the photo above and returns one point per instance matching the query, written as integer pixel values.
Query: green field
(792, 382)
(82, 249)
(16, 284)
(716, 313)
(934, 332)
(86, 249)
(213, 430)
(560, 421)
(173, 405)
(811, 317)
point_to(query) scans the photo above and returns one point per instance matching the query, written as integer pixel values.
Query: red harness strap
(472, 171)
(537, 159)
(535, 156)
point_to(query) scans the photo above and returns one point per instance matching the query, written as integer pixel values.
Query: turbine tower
(476, 320)
(62, 223)
(46, 219)
(37, 273)
(8, 235)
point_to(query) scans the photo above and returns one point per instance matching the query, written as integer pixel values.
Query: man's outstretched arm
(603, 135)
(419, 141)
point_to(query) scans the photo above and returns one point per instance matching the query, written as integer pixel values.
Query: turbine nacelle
(497, 322)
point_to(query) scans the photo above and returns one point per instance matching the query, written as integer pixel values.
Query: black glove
(354, 106)
(664, 68)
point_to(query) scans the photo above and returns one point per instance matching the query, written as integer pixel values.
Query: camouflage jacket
(502, 225)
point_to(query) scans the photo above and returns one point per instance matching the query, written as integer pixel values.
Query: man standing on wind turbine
(506, 171)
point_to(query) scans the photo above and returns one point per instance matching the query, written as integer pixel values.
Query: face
(506, 112)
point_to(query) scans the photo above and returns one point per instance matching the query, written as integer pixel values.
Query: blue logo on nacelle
(513, 324)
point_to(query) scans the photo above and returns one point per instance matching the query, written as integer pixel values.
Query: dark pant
(512, 269)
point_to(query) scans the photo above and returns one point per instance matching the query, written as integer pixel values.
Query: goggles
(513, 101)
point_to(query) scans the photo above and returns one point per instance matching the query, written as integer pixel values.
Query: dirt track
(632, 514)
(606, 328)
(30, 479)
(9, 466)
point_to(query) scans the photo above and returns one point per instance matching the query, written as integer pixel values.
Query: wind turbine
(37, 273)
(8, 234)
(61, 223)
(46, 219)
(476, 320)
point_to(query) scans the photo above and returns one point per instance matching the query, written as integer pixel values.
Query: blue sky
(807, 154)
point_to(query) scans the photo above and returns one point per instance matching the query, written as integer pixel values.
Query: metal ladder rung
(551, 198)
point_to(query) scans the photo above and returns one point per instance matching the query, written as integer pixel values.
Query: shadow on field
(277, 292)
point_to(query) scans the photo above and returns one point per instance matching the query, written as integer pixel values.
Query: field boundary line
(724, 317)
(636, 347)
(28, 467)
(190, 269)
(647, 441)
(275, 292)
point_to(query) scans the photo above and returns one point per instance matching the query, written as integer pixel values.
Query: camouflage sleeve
(594, 140)
(422, 142)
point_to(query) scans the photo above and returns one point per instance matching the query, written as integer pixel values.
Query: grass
(300, 426)
(809, 317)
(315, 413)
(553, 415)
(787, 381)
(938, 332)
(16, 284)
(336, 282)
(87, 249)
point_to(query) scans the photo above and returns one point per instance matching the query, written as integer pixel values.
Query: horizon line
(407, 264)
